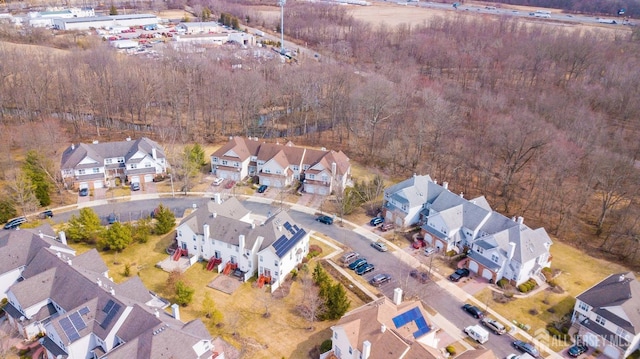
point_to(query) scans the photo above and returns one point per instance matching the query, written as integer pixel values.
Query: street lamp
(173, 194)
(281, 3)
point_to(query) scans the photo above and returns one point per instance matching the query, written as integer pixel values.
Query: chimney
(156, 313)
(214, 214)
(333, 168)
(69, 262)
(279, 228)
(520, 220)
(206, 232)
(414, 174)
(397, 296)
(253, 225)
(128, 139)
(58, 254)
(63, 237)
(73, 147)
(175, 309)
(99, 282)
(461, 194)
(383, 328)
(41, 234)
(241, 242)
(112, 291)
(217, 199)
(154, 153)
(621, 278)
(512, 250)
(95, 142)
(366, 349)
(445, 185)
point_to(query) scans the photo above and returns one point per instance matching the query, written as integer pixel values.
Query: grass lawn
(243, 323)
(578, 272)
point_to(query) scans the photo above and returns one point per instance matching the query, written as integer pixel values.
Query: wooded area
(540, 119)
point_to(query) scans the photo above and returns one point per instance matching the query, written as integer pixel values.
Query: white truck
(477, 333)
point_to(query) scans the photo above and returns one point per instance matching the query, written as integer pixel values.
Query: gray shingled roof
(617, 292)
(19, 247)
(414, 191)
(72, 156)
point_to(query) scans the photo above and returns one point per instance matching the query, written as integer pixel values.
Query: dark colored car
(16, 222)
(376, 221)
(112, 218)
(325, 219)
(83, 192)
(421, 277)
(380, 279)
(357, 263)
(473, 310)
(577, 349)
(46, 214)
(527, 348)
(135, 186)
(366, 268)
(459, 274)
(262, 188)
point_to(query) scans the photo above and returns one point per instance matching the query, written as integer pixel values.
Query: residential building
(321, 171)
(19, 247)
(81, 313)
(97, 164)
(498, 247)
(385, 329)
(607, 316)
(226, 234)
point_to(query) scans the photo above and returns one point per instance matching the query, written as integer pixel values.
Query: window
(260, 258)
(278, 172)
(600, 320)
(224, 162)
(295, 168)
(147, 165)
(266, 170)
(237, 249)
(236, 164)
(275, 263)
(480, 250)
(134, 166)
(108, 161)
(68, 172)
(311, 176)
(96, 170)
(494, 258)
(622, 333)
(215, 160)
(194, 237)
(350, 350)
(335, 335)
(81, 172)
(583, 306)
(195, 248)
(121, 160)
(325, 178)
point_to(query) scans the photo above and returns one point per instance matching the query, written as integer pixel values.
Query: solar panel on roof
(283, 245)
(112, 313)
(77, 321)
(287, 225)
(406, 317)
(109, 305)
(68, 329)
(84, 310)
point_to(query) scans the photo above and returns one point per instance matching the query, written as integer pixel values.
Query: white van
(477, 333)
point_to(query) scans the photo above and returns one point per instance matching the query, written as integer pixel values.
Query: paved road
(439, 298)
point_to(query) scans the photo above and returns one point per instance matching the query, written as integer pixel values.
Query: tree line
(539, 119)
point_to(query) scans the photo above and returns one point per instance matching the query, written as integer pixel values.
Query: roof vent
(128, 139)
(621, 278)
(95, 142)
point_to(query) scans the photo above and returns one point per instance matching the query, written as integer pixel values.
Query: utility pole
(281, 3)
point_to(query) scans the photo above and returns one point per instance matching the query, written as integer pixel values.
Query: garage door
(148, 178)
(473, 266)
(309, 189)
(487, 274)
(98, 184)
(323, 191)
(428, 239)
(266, 181)
(134, 179)
(83, 185)
(611, 352)
(591, 339)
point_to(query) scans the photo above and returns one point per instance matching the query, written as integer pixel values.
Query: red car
(417, 244)
(229, 184)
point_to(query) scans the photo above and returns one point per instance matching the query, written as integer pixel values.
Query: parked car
(429, 251)
(477, 333)
(577, 349)
(325, 219)
(366, 268)
(46, 214)
(230, 184)
(376, 221)
(512, 356)
(380, 279)
(16, 222)
(262, 188)
(386, 227)
(421, 277)
(459, 274)
(527, 348)
(357, 263)
(473, 310)
(218, 181)
(112, 218)
(379, 246)
(350, 256)
(135, 186)
(494, 326)
(83, 192)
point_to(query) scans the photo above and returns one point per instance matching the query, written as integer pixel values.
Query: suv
(380, 279)
(16, 222)
(262, 188)
(527, 348)
(577, 349)
(473, 310)
(135, 186)
(46, 214)
(365, 268)
(218, 181)
(494, 326)
(458, 274)
(325, 219)
(429, 251)
(379, 246)
(376, 221)
(83, 192)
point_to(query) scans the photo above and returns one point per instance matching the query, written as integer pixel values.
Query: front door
(217, 254)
